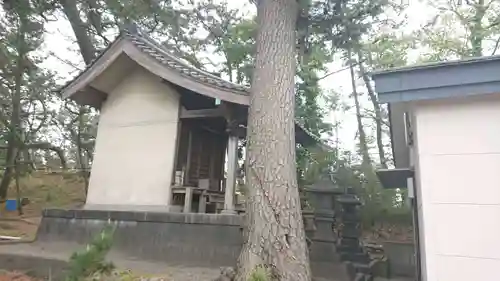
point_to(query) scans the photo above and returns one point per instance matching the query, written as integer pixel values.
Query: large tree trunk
(274, 231)
(8, 171)
(376, 109)
(84, 40)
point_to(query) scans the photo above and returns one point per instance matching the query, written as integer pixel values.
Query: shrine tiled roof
(162, 55)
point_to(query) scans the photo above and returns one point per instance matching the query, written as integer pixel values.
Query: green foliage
(260, 273)
(234, 39)
(379, 205)
(308, 92)
(340, 23)
(238, 46)
(388, 50)
(469, 29)
(25, 87)
(91, 261)
(318, 163)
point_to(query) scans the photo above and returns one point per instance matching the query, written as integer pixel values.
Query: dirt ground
(43, 190)
(17, 276)
(389, 232)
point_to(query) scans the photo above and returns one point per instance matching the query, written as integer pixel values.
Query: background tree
(24, 87)
(462, 29)
(370, 48)
(383, 52)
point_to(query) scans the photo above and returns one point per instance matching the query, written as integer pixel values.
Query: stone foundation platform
(176, 239)
(189, 239)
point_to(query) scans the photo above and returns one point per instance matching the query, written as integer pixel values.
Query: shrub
(92, 262)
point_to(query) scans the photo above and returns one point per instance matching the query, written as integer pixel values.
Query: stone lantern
(321, 198)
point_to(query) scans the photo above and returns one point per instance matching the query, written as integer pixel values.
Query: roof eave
(94, 69)
(123, 46)
(476, 76)
(441, 64)
(160, 70)
(454, 79)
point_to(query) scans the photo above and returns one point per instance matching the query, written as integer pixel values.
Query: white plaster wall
(135, 147)
(457, 166)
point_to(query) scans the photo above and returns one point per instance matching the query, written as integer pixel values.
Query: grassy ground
(44, 190)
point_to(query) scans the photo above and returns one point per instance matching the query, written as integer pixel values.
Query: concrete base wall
(199, 240)
(186, 239)
(401, 258)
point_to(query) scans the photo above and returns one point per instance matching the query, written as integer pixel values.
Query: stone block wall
(186, 239)
(193, 239)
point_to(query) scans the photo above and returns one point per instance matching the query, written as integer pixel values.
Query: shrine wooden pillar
(232, 168)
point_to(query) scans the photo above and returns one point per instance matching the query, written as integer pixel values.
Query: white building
(445, 128)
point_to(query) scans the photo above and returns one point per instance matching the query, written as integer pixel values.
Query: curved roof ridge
(160, 53)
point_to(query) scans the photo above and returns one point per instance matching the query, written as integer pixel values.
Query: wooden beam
(239, 131)
(236, 121)
(213, 158)
(177, 145)
(395, 178)
(202, 113)
(232, 167)
(189, 154)
(90, 96)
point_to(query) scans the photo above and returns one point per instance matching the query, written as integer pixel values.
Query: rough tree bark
(274, 233)
(84, 40)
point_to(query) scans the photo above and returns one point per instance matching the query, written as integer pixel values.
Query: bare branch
(45, 146)
(497, 44)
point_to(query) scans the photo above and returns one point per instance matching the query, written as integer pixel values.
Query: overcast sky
(59, 40)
